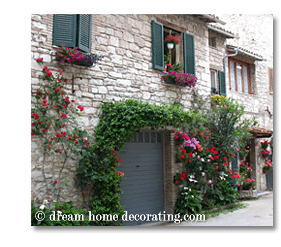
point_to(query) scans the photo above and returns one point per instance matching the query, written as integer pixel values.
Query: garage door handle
(138, 166)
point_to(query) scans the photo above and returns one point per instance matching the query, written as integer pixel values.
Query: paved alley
(257, 213)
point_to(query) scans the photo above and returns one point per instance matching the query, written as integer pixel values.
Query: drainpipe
(229, 55)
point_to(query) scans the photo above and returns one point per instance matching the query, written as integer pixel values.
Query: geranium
(265, 153)
(172, 39)
(120, 174)
(265, 144)
(182, 79)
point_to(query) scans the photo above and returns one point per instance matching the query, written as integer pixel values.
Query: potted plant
(214, 90)
(265, 153)
(171, 41)
(193, 131)
(249, 183)
(264, 144)
(267, 166)
(74, 56)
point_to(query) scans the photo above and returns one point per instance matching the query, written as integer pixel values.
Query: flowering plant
(181, 156)
(72, 55)
(182, 79)
(265, 153)
(243, 152)
(249, 182)
(267, 165)
(218, 99)
(179, 178)
(214, 90)
(265, 144)
(244, 167)
(172, 39)
(181, 137)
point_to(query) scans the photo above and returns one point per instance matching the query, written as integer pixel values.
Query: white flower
(200, 168)
(222, 178)
(186, 188)
(198, 157)
(42, 207)
(191, 176)
(203, 174)
(209, 160)
(202, 159)
(192, 196)
(45, 202)
(189, 189)
(193, 180)
(193, 155)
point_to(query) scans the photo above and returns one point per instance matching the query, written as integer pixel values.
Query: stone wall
(125, 73)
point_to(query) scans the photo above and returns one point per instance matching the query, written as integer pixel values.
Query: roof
(221, 31)
(260, 132)
(244, 52)
(210, 18)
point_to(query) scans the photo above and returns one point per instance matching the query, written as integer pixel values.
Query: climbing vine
(99, 164)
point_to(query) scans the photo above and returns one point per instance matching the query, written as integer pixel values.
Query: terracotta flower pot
(193, 134)
(201, 133)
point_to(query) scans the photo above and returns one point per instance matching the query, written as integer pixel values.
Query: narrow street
(257, 213)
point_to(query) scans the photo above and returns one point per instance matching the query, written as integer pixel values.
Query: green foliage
(97, 168)
(73, 216)
(188, 202)
(221, 194)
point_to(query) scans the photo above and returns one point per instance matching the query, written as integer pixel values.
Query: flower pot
(193, 134)
(201, 133)
(250, 187)
(170, 45)
(169, 80)
(265, 171)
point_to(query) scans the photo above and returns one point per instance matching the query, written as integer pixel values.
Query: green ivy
(98, 167)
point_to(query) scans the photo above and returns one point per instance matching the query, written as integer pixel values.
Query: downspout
(224, 59)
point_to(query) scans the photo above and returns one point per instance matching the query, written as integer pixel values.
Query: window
(239, 76)
(186, 49)
(270, 74)
(214, 83)
(212, 42)
(73, 31)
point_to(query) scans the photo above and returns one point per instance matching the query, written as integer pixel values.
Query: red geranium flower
(55, 182)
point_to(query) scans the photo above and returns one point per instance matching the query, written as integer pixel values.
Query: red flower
(62, 93)
(37, 92)
(189, 160)
(58, 135)
(173, 131)
(32, 133)
(225, 164)
(44, 130)
(76, 142)
(182, 156)
(46, 68)
(190, 155)
(55, 182)
(49, 73)
(206, 137)
(80, 107)
(225, 107)
(58, 89)
(225, 159)
(176, 182)
(217, 167)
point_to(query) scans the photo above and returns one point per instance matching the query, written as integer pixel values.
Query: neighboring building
(132, 46)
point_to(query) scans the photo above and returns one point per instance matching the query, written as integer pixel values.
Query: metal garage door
(142, 185)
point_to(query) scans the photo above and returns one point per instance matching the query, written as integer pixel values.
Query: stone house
(133, 50)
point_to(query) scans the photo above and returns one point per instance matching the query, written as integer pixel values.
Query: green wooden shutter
(222, 83)
(64, 30)
(157, 45)
(189, 53)
(84, 33)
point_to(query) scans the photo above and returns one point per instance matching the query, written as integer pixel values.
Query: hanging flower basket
(171, 41)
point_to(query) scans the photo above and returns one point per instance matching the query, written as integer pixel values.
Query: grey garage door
(142, 185)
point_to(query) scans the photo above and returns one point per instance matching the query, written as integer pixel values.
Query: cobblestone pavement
(257, 213)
